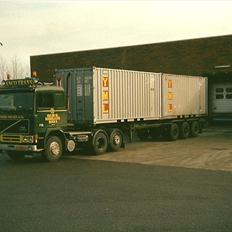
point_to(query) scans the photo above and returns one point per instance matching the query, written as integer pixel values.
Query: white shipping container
(184, 95)
(102, 95)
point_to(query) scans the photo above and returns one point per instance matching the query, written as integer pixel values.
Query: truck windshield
(15, 101)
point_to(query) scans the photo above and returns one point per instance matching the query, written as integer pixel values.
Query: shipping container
(102, 95)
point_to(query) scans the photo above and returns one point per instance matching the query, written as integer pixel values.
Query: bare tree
(3, 68)
(18, 69)
(14, 67)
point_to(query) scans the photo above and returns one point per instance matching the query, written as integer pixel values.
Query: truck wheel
(174, 132)
(16, 155)
(184, 130)
(195, 129)
(200, 128)
(100, 143)
(53, 149)
(155, 133)
(115, 140)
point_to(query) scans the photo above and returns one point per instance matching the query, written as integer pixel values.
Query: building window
(219, 96)
(229, 90)
(219, 90)
(228, 96)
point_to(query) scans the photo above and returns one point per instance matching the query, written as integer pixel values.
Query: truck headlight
(28, 139)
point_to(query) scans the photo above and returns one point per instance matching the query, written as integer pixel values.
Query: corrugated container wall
(101, 95)
(184, 95)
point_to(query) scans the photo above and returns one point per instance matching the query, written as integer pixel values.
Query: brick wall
(191, 57)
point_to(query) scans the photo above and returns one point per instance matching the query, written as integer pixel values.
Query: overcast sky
(51, 26)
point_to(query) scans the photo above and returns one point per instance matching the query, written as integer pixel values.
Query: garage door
(222, 98)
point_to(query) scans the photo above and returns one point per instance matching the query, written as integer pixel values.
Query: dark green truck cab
(33, 117)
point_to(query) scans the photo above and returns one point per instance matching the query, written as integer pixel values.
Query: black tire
(184, 130)
(116, 140)
(143, 135)
(195, 128)
(16, 155)
(200, 128)
(155, 133)
(53, 149)
(100, 143)
(174, 132)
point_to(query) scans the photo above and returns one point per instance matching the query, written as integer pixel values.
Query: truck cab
(31, 113)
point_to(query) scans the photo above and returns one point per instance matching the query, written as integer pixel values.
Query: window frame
(54, 102)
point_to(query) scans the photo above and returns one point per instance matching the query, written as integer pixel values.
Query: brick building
(211, 57)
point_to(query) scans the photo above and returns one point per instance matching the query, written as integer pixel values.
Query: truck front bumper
(20, 147)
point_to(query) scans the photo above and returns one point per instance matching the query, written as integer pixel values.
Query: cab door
(50, 110)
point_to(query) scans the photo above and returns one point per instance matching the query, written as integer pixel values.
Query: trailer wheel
(200, 128)
(174, 132)
(195, 129)
(100, 143)
(184, 130)
(53, 149)
(16, 155)
(155, 133)
(116, 140)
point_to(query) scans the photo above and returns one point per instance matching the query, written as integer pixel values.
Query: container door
(155, 96)
(84, 96)
(152, 96)
(203, 106)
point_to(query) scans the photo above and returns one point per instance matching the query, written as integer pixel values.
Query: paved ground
(82, 194)
(211, 150)
(97, 196)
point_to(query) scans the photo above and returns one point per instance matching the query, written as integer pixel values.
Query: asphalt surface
(88, 195)
(211, 150)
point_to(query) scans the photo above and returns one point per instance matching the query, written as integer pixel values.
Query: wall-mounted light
(34, 74)
(222, 66)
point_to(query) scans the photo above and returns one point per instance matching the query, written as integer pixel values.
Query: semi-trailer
(98, 108)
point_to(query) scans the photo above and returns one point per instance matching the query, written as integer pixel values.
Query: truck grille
(14, 126)
(10, 138)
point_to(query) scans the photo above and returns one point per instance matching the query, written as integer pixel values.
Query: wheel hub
(117, 140)
(100, 143)
(55, 148)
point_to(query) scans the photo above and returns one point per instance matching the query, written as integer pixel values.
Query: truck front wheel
(53, 149)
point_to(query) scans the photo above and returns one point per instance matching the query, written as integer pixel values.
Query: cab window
(59, 101)
(48, 100)
(45, 100)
